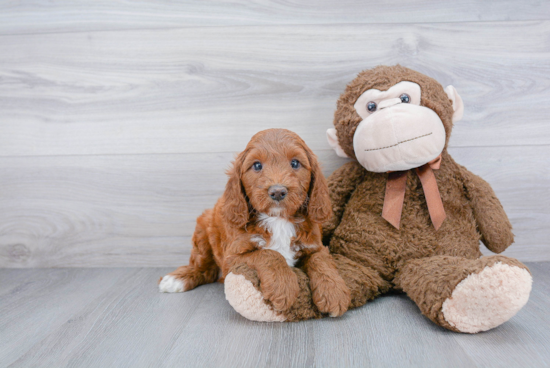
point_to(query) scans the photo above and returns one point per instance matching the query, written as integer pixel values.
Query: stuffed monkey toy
(406, 216)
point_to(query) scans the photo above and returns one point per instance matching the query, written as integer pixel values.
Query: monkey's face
(396, 133)
(391, 130)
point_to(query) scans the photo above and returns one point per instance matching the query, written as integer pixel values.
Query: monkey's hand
(492, 222)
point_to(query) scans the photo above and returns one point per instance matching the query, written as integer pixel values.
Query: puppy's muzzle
(277, 192)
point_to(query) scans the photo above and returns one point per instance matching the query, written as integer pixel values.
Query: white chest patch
(282, 232)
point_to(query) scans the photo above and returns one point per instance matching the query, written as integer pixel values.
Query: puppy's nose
(277, 192)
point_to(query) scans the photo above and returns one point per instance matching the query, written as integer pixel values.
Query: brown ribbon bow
(395, 194)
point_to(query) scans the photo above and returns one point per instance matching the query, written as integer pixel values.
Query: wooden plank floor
(115, 317)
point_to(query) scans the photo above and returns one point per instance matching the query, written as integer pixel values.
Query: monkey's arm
(492, 222)
(341, 184)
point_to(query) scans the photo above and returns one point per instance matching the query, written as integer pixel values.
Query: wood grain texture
(118, 119)
(77, 16)
(117, 318)
(36, 301)
(208, 89)
(108, 210)
(97, 211)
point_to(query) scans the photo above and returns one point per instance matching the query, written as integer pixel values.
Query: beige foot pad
(248, 301)
(487, 299)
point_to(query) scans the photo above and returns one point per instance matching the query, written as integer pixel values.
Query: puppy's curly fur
(248, 226)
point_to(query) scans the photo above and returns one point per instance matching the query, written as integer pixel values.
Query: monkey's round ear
(458, 105)
(333, 142)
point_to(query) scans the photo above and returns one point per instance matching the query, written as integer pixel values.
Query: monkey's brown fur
(371, 255)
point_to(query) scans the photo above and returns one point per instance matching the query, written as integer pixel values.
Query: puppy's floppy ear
(235, 205)
(319, 207)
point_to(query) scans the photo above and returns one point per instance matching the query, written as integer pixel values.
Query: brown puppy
(268, 218)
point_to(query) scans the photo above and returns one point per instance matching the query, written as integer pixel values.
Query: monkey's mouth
(398, 143)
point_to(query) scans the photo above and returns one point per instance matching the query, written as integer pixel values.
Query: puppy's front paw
(282, 292)
(331, 296)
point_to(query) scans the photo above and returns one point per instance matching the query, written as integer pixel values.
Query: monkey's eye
(371, 106)
(295, 164)
(405, 98)
(257, 166)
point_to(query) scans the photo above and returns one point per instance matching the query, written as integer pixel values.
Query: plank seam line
(228, 152)
(274, 25)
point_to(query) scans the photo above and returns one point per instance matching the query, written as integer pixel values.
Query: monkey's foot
(248, 301)
(487, 299)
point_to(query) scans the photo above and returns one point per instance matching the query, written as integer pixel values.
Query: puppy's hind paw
(170, 284)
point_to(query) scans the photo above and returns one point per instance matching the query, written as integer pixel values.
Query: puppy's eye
(371, 106)
(405, 98)
(295, 164)
(257, 166)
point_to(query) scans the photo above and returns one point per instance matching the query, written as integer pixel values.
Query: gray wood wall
(118, 119)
